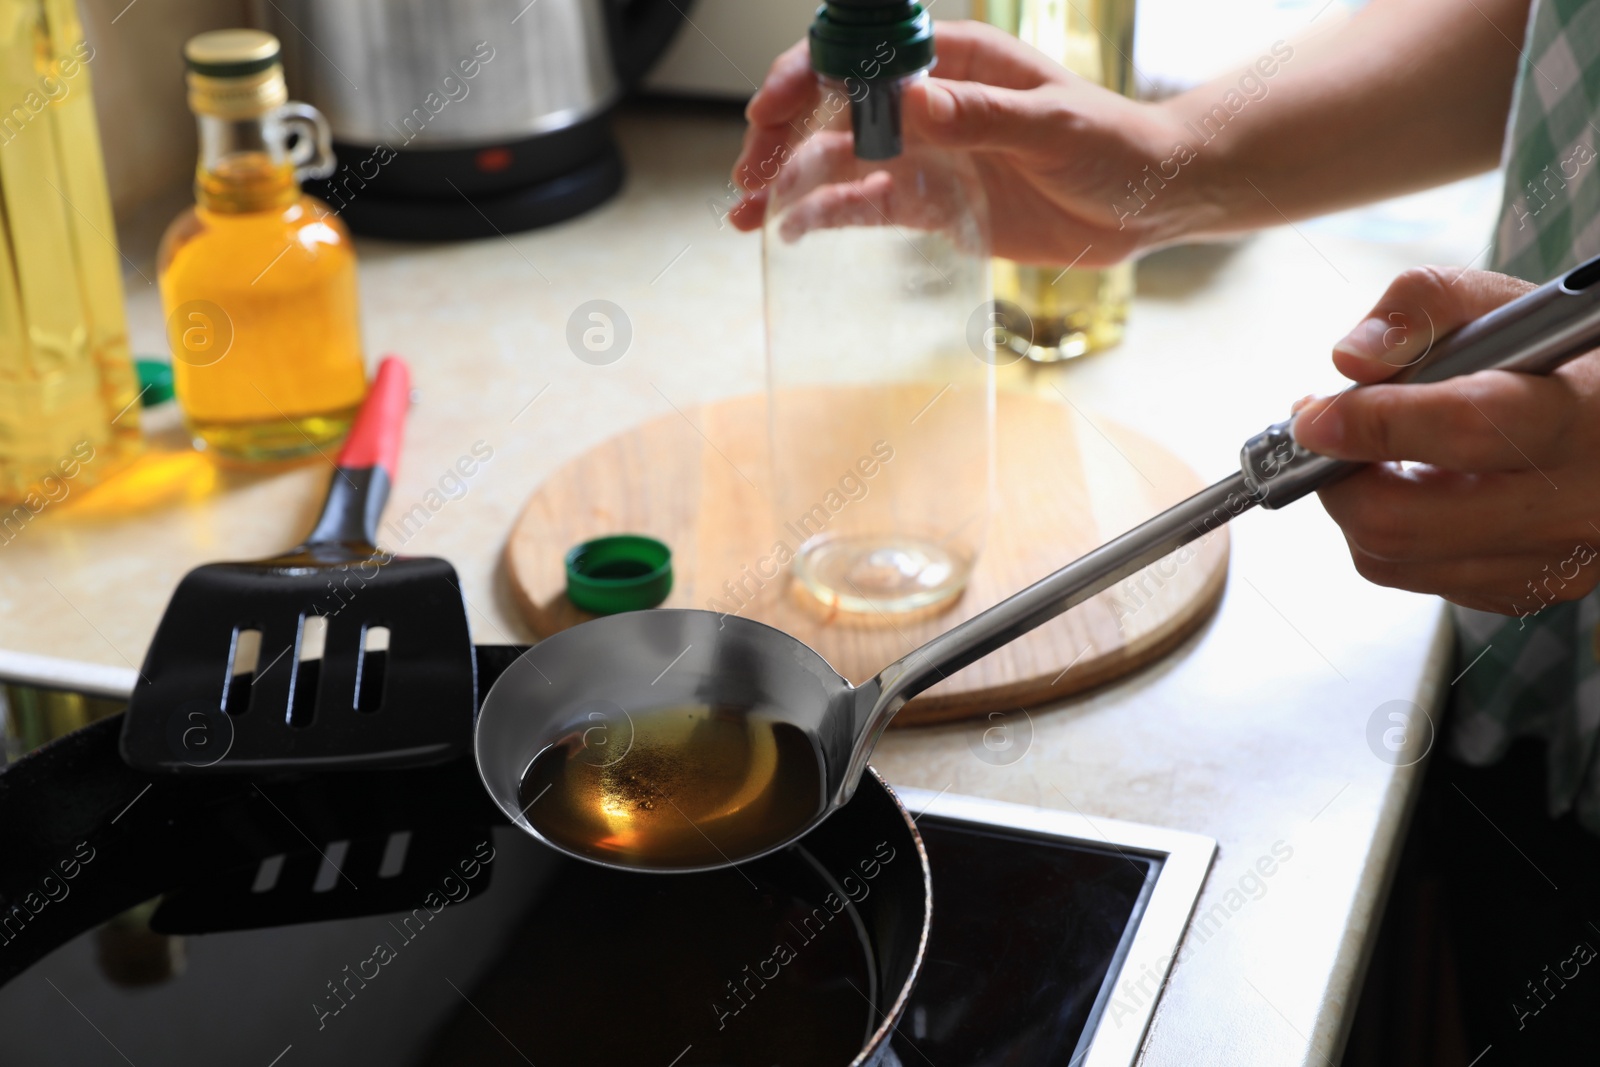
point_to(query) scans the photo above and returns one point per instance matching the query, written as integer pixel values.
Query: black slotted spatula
(235, 680)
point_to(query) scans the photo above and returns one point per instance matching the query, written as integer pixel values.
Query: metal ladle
(597, 675)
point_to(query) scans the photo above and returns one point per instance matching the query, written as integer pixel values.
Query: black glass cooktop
(1025, 930)
(393, 918)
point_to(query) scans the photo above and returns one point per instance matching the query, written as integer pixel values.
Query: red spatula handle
(367, 463)
(374, 440)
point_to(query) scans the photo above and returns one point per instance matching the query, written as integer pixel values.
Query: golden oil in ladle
(684, 787)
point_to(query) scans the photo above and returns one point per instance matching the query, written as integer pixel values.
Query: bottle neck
(243, 166)
(874, 111)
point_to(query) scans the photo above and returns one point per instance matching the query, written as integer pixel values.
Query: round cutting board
(1065, 484)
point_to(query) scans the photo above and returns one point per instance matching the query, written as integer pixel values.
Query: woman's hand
(1504, 513)
(1056, 154)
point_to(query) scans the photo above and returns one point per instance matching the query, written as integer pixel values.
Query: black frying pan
(670, 954)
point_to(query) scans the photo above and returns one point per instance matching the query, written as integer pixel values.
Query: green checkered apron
(1538, 676)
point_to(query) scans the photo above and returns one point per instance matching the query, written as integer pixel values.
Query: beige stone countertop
(1254, 732)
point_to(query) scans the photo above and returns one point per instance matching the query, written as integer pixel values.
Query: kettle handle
(640, 31)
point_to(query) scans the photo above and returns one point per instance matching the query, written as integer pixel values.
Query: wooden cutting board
(1066, 484)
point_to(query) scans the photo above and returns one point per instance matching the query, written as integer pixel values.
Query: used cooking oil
(693, 786)
(258, 280)
(68, 410)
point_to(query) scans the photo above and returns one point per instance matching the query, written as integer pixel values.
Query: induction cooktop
(1052, 934)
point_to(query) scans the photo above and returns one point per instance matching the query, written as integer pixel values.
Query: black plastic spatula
(334, 654)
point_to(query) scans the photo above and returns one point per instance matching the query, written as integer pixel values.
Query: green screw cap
(871, 39)
(627, 572)
(155, 381)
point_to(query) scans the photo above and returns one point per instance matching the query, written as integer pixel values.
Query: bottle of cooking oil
(68, 416)
(1076, 311)
(258, 280)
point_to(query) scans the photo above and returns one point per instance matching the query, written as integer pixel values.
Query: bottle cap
(231, 53)
(234, 74)
(872, 45)
(626, 572)
(155, 381)
(871, 39)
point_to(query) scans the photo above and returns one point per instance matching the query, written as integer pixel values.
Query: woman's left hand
(1502, 512)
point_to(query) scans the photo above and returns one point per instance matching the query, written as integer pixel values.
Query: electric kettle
(467, 118)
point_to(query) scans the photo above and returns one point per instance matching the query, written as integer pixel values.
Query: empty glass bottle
(876, 260)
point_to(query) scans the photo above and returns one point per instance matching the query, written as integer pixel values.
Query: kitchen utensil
(175, 833)
(625, 666)
(664, 478)
(333, 654)
(230, 853)
(471, 118)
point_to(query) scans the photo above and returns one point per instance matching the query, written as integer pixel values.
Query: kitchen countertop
(1254, 732)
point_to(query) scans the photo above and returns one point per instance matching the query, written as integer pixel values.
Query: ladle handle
(1079, 580)
(1534, 334)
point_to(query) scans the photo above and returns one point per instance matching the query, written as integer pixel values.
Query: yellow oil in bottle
(1074, 312)
(1070, 313)
(258, 280)
(69, 415)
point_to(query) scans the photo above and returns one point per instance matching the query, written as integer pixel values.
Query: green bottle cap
(627, 572)
(871, 39)
(155, 381)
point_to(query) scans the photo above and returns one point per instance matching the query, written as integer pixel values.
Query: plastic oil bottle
(258, 280)
(68, 411)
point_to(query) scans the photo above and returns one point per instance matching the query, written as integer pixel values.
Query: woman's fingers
(955, 115)
(788, 89)
(790, 105)
(863, 203)
(1426, 515)
(1419, 307)
(1497, 511)
(777, 117)
(1492, 421)
(975, 51)
(1508, 585)
(974, 116)
(749, 213)
(1489, 421)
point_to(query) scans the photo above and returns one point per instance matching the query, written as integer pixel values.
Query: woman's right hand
(1060, 157)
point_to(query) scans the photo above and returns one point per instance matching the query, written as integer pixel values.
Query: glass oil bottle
(1072, 312)
(875, 266)
(258, 280)
(69, 415)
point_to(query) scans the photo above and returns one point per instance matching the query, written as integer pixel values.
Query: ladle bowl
(593, 681)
